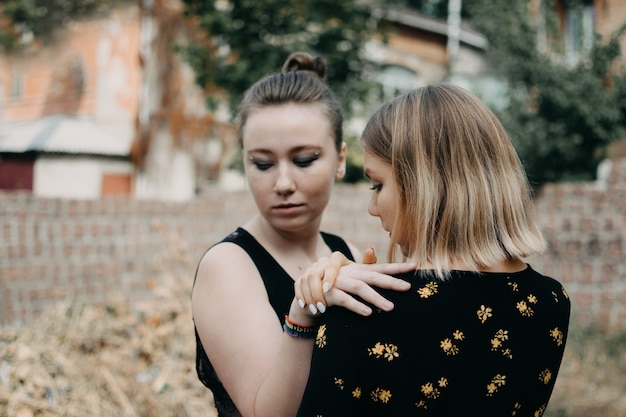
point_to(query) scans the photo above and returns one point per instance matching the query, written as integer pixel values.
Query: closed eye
(261, 165)
(305, 161)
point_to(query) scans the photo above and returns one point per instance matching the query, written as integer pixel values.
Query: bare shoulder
(226, 264)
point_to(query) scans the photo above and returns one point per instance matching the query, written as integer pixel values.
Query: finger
(337, 297)
(368, 295)
(391, 268)
(385, 281)
(369, 257)
(298, 294)
(312, 288)
(331, 270)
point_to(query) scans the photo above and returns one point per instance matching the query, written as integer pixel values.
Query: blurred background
(119, 166)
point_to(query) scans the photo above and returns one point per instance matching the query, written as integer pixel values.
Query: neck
(304, 240)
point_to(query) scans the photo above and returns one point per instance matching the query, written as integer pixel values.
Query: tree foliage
(25, 21)
(248, 39)
(561, 116)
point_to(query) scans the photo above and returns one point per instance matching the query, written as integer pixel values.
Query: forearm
(281, 392)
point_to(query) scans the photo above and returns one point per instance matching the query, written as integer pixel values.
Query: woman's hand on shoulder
(336, 281)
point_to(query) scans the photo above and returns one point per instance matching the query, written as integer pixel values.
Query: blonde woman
(480, 333)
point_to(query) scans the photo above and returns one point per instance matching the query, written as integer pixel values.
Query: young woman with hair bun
(254, 359)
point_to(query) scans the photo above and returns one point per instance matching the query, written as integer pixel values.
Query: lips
(286, 206)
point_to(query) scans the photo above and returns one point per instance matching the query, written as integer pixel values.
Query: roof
(62, 134)
(415, 20)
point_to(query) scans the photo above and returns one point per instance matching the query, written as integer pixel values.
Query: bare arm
(243, 338)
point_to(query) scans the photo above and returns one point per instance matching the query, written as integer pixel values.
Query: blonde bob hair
(463, 195)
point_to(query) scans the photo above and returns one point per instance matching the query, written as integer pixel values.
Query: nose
(372, 207)
(285, 183)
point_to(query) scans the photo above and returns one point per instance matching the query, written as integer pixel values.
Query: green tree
(245, 40)
(25, 21)
(561, 116)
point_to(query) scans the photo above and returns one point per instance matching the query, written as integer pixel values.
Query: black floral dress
(487, 344)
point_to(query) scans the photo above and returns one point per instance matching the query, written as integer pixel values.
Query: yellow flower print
(339, 383)
(524, 309)
(421, 404)
(356, 393)
(320, 340)
(430, 391)
(484, 313)
(496, 343)
(532, 299)
(507, 352)
(502, 334)
(565, 293)
(556, 297)
(557, 335)
(545, 376)
(377, 350)
(384, 396)
(446, 344)
(513, 286)
(381, 395)
(540, 411)
(428, 290)
(516, 407)
(496, 382)
(499, 380)
(391, 351)
(448, 347)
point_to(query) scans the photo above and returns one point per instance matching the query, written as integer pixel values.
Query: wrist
(302, 316)
(298, 330)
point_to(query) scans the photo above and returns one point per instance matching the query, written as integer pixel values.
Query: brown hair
(300, 81)
(463, 195)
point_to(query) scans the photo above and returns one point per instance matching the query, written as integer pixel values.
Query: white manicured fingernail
(326, 287)
(300, 303)
(321, 307)
(312, 309)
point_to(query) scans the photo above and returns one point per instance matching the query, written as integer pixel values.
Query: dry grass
(592, 381)
(85, 360)
(110, 360)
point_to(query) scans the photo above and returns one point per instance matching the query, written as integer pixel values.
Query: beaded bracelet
(302, 332)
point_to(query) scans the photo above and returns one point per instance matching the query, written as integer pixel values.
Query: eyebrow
(291, 151)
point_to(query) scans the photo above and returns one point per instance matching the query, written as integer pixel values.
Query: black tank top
(279, 287)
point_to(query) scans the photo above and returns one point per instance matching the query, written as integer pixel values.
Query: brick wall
(89, 251)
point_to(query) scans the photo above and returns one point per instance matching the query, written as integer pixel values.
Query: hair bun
(302, 61)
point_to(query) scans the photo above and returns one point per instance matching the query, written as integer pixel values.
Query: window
(17, 86)
(577, 27)
(116, 184)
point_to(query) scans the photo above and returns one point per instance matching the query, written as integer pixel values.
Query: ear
(341, 163)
